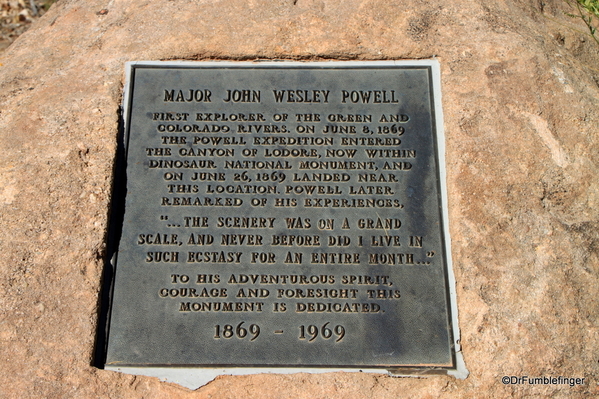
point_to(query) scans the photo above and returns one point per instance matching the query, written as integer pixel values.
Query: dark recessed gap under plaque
(282, 217)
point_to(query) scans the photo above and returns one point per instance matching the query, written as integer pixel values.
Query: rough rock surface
(520, 98)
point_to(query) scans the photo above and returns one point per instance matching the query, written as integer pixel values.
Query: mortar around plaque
(282, 217)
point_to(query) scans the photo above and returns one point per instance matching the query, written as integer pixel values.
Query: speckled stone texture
(520, 99)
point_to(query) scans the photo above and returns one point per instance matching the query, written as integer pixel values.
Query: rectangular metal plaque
(283, 215)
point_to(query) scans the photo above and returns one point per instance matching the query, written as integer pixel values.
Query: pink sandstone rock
(520, 99)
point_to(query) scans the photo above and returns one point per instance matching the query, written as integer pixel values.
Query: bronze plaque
(282, 215)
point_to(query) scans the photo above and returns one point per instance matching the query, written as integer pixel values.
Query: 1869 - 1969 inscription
(283, 215)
